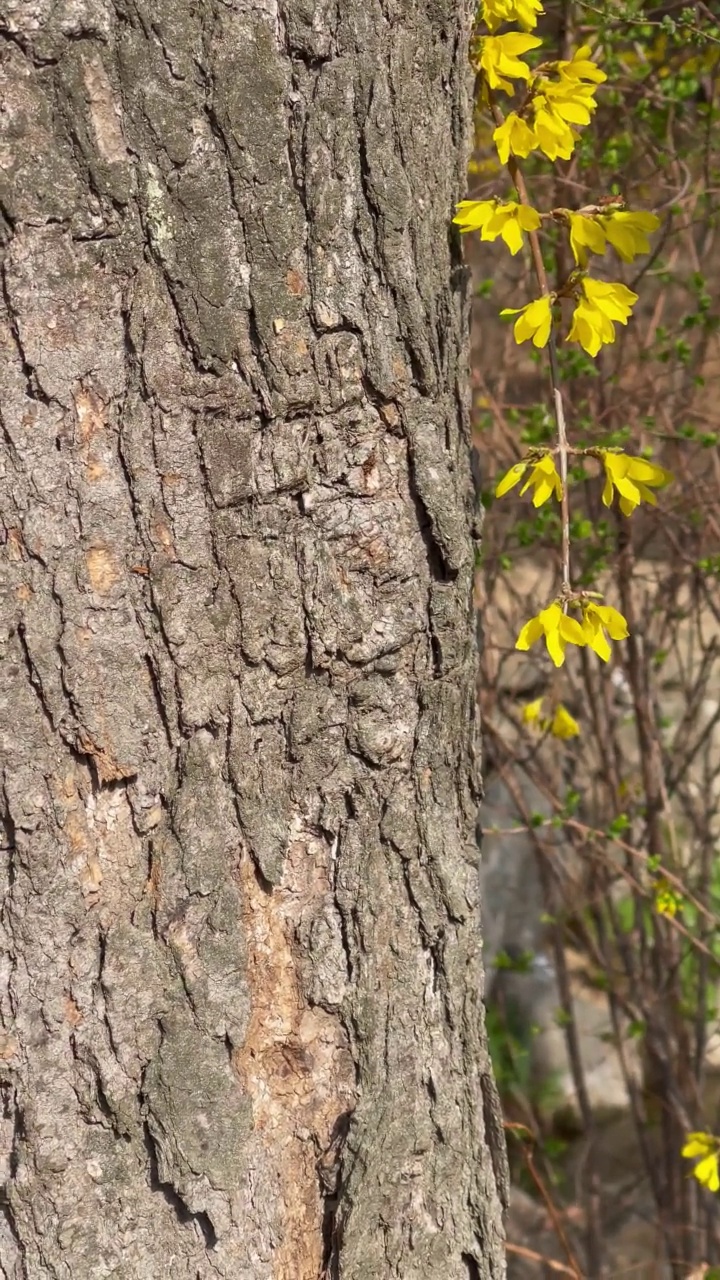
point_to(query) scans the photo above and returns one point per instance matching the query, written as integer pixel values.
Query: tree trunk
(241, 994)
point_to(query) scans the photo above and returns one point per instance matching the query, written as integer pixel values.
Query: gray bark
(241, 986)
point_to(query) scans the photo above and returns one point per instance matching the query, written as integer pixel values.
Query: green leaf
(618, 826)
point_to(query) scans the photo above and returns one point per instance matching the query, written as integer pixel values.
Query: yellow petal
(646, 494)
(531, 632)
(515, 42)
(563, 724)
(699, 1144)
(614, 463)
(550, 617)
(535, 322)
(585, 233)
(614, 621)
(471, 215)
(547, 622)
(584, 329)
(543, 490)
(510, 479)
(514, 136)
(624, 242)
(706, 1172)
(580, 67)
(528, 218)
(523, 329)
(532, 711)
(548, 121)
(571, 630)
(499, 58)
(512, 235)
(614, 299)
(646, 221)
(629, 491)
(648, 472)
(555, 647)
(597, 640)
(573, 112)
(628, 231)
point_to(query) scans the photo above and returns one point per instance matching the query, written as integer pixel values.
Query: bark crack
(200, 1218)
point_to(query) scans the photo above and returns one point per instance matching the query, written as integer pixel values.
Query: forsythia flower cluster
(705, 1149)
(633, 478)
(525, 12)
(561, 723)
(559, 100)
(592, 230)
(542, 478)
(493, 218)
(597, 623)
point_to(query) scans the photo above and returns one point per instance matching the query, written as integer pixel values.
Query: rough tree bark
(241, 987)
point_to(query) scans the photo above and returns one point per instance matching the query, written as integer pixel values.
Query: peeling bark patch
(102, 569)
(98, 833)
(108, 768)
(104, 113)
(294, 1062)
(89, 410)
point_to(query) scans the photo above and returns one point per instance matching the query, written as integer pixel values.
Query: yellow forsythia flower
(563, 724)
(524, 12)
(632, 477)
(543, 478)
(532, 711)
(573, 101)
(586, 236)
(514, 137)
(499, 57)
(599, 619)
(667, 901)
(579, 67)
(471, 215)
(493, 218)
(556, 108)
(601, 306)
(534, 320)
(559, 631)
(704, 1148)
(559, 106)
(553, 135)
(628, 232)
